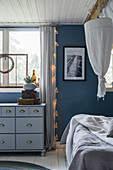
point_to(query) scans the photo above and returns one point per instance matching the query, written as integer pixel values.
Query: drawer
(36, 111)
(29, 141)
(29, 125)
(22, 111)
(8, 111)
(7, 141)
(7, 125)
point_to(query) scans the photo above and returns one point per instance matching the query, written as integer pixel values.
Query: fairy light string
(53, 68)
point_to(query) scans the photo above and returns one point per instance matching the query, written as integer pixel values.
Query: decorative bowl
(30, 86)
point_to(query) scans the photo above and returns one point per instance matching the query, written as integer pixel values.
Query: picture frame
(74, 63)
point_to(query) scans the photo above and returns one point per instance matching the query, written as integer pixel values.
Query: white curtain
(48, 81)
(98, 33)
(108, 10)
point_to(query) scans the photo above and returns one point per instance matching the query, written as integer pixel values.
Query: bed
(89, 142)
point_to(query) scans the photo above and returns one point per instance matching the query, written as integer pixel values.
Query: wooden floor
(55, 159)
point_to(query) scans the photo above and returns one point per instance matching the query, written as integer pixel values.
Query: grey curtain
(48, 80)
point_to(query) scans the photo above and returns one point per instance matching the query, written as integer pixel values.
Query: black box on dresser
(29, 94)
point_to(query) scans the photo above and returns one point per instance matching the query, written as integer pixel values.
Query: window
(1, 38)
(25, 42)
(109, 74)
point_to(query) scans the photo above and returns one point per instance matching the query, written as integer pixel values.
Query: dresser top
(16, 104)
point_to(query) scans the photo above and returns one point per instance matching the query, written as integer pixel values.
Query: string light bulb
(56, 90)
(56, 113)
(56, 32)
(56, 126)
(56, 137)
(56, 44)
(53, 67)
(54, 55)
(53, 79)
(55, 102)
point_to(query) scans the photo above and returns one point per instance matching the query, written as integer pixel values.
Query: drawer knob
(22, 111)
(29, 124)
(36, 111)
(1, 125)
(29, 141)
(1, 141)
(8, 111)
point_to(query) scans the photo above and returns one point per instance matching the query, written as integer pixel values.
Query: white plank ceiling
(44, 11)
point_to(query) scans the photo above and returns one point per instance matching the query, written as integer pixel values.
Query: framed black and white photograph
(74, 63)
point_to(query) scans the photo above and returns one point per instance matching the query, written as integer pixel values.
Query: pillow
(64, 135)
(110, 132)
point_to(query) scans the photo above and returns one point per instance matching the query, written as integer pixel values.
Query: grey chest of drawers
(22, 128)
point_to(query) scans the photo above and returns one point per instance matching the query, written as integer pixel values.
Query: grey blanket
(89, 152)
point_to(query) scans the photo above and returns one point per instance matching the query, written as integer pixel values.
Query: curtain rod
(36, 24)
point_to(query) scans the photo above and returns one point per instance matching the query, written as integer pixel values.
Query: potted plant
(29, 85)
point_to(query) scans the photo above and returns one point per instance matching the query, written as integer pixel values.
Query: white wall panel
(34, 11)
(72, 9)
(79, 10)
(25, 10)
(19, 17)
(57, 10)
(49, 10)
(3, 17)
(44, 11)
(64, 10)
(83, 5)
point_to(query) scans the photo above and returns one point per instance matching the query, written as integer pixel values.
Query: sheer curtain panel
(98, 33)
(48, 80)
(108, 10)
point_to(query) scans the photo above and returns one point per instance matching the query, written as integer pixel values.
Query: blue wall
(77, 96)
(74, 96)
(11, 97)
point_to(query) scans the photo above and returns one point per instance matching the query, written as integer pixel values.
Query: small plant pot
(30, 86)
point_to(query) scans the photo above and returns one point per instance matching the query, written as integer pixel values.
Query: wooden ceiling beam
(94, 13)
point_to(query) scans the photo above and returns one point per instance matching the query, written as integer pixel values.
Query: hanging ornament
(6, 56)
